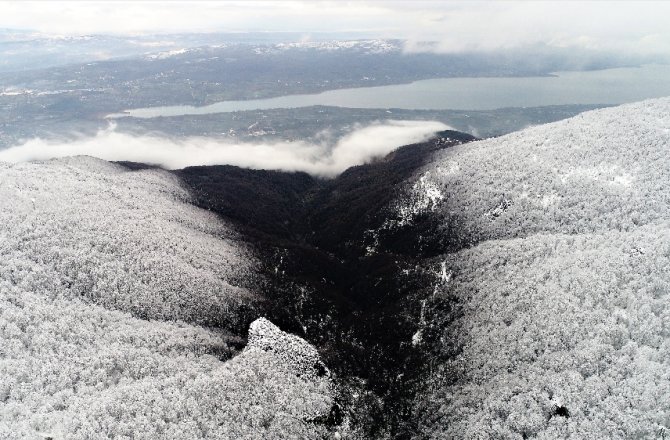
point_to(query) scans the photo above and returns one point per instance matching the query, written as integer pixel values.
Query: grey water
(610, 86)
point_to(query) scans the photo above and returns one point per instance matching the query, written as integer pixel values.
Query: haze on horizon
(631, 27)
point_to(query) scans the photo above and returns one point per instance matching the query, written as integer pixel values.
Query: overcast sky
(623, 26)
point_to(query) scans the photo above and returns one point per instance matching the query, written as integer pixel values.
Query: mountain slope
(324, 280)
(120, 307)
(126, 241)
(551, 319)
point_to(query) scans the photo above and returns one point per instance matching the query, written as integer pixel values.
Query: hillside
(551, 319)
(514, 287)
(120, 307)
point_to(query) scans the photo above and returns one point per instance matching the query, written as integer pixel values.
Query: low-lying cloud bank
(360, 146)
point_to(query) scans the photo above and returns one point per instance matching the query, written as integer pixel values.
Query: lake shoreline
(609, 86)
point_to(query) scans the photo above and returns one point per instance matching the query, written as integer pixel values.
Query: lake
(611, 86)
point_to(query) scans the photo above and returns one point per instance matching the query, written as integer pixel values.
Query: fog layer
(362, 145)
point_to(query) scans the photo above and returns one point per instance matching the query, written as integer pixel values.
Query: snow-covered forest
(124, 307)
(558, 322)
(334, 220)
(111, 287)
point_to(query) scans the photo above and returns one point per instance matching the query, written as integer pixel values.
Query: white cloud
(620, 26)
(360, 146)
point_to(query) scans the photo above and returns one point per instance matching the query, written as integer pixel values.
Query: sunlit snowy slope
(110, 286)
(551, 314)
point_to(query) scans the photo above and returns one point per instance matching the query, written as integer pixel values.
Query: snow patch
(365, 46)
(168, 54)
(426, 196)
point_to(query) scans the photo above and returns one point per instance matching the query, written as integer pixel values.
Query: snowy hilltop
(87, 229)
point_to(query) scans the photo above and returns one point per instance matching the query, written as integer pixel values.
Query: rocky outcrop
(296, 354)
